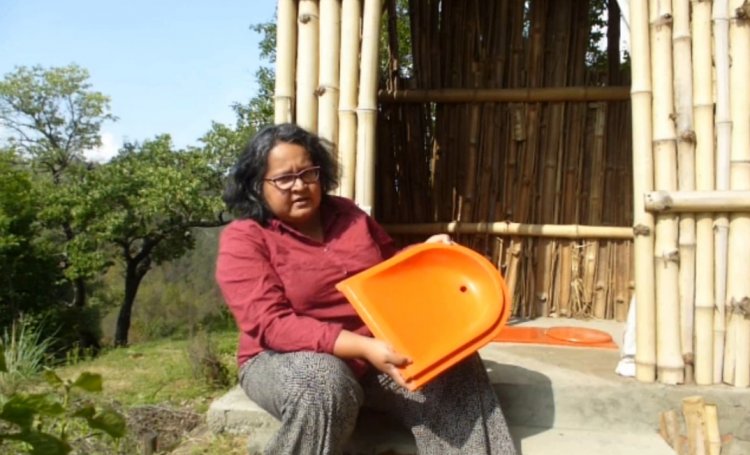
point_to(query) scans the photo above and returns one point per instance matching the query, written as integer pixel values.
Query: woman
(304, 354)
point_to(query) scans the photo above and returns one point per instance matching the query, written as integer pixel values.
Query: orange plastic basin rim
(437, 304)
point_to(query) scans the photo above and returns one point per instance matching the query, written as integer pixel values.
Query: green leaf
(109, 421)
(41, 443)
(52, 378)
(90, 382)
(87, 412)
(20, 409)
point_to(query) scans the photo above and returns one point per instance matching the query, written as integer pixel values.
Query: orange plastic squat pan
(434, 303)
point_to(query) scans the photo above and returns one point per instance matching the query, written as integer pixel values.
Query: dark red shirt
(279, 283)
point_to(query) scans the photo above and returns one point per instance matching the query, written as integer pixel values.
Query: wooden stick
(669, 363)
(286, 37)
(307, 65)
(697, 201)
(643, 174)
(349, 80)
(738, 285)
(328, 88)
(693, 410)
(570, 231)
(703, 107)
(713, 435)
(507, 95)
(367, 106)
(723, 122)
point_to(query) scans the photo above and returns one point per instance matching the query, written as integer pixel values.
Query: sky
(168, 66)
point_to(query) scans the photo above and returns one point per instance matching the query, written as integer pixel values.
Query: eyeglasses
(285, 182)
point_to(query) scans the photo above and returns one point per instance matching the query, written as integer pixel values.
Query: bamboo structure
(328, 87)
(590, 186)
(683, 96)
(704, 159)
(643, 167)
(723, 122)
(349, 70)
(367, 106)
(286, 39)
(737, 360)
(307, 63)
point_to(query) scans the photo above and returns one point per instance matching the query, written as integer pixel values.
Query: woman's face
(298, 205)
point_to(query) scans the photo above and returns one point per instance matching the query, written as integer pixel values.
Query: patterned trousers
(317, 399)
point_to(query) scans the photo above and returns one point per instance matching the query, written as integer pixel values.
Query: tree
(53, 116)
(141, 207)
(29, 275)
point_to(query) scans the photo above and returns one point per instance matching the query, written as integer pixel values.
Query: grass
(160, 373)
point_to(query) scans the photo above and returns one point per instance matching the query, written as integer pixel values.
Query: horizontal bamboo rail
(569, 231)
(697, 201)
(509, 95)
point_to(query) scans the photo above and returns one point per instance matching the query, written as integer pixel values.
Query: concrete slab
(557, 400)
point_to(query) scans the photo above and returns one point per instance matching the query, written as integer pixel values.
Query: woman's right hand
(383, 357)
(380, 354)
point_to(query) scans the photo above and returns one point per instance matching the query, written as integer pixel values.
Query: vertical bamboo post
(307, 64)
(683, 96)
(737, 369)
(351, 12)
(367, 106)
(669, 362)
(643, 174)
(286, 36)
(723, 124)
(328, 88)
(703, 107)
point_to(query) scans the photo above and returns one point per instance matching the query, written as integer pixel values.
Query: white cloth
(626, 365)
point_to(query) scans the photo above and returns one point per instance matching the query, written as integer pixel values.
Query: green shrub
(41, 423)
(25, 353)
(206, 364)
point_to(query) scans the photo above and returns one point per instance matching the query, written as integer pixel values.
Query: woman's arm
(349, 345)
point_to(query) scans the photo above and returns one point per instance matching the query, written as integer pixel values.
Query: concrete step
(566, 399)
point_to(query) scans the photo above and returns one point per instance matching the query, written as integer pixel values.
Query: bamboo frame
(723, 122)
(328, 88)
(737, 366)
(683, 96)
(367, 106)
(308, 22)
(506, 95)
(669, 363)
(694, 201)
(703, 107)
(570, 231)
(643, 174)
(349, 81)
(286, 38)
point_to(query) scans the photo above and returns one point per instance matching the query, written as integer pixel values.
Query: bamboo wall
(500, 132)
(526, 161)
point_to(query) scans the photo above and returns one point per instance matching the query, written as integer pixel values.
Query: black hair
(243, 194)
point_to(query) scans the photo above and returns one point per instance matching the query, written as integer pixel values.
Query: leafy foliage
(41, 420)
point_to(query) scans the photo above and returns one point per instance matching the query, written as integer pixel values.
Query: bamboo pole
(669, 363)
(506, 95)
(683, 96)
(351, 12)
(703, 107)
(328, 88)
(692, 201)
(307, 64)
(367, 107)
(737, 369)
(643, 174)
(723, 123)
(286, 37)
(569, 231)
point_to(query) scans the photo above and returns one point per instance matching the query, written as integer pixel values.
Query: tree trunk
(135, 271)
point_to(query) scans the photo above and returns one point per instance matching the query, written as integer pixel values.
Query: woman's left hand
(445, 239)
